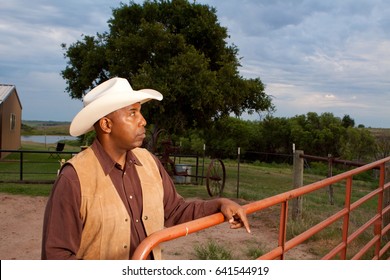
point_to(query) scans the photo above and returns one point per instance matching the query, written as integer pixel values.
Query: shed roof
(5, 91)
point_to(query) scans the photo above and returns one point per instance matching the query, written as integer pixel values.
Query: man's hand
(234, 214)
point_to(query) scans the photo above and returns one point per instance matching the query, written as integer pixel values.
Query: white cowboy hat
(108, 97)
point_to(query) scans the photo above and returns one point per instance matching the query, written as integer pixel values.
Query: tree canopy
(319, 135)
(176, 47)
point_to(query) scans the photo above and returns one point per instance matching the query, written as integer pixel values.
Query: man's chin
(137, 145)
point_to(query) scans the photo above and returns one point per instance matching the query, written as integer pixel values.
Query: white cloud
(31, 55)
(318, 50)
(323, 56)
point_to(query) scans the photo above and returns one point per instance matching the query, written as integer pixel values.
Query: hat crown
(114, 85)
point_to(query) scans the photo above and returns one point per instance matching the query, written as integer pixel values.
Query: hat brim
(83, 122)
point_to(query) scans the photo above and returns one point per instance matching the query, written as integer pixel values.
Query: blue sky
(312, 55)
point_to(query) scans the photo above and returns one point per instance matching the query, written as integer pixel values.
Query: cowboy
(112, 195)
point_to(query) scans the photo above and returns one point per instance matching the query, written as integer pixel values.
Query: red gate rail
(283, 199)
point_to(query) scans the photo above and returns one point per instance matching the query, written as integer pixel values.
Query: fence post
(297, 182)
(204, 155)
(238, 171)
(21, 166)
(330, 174)
(386, 200)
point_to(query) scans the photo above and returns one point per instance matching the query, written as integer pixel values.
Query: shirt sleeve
(176, 209)
(62, 225)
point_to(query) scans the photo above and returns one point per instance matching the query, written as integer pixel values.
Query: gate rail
(22, 163)
(284, 245)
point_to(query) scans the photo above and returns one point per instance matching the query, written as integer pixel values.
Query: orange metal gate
(377, 242)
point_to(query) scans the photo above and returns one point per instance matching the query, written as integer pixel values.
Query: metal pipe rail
(282, 199)
(22, 162)
(333, 160)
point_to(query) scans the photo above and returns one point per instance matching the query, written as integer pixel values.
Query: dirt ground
(21, 232)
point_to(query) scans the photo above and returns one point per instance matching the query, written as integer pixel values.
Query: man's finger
(241, 220)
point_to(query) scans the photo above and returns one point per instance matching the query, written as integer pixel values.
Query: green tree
(301, 136)
(317, 134)
(330, 131)
(276, 132)
(358, 144)
(176, 47)
(347, 121)
(228, 134)
(382, 139)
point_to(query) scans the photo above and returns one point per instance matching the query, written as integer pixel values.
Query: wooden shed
(10, 119)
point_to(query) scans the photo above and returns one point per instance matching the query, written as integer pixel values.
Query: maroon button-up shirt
(62, 223)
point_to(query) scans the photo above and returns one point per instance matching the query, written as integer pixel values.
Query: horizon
(69, 122)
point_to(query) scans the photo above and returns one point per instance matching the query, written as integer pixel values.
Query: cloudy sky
(312, 55)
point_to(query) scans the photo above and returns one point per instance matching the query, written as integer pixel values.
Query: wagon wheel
(215, 177)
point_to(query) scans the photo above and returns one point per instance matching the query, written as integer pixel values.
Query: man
(111, 196)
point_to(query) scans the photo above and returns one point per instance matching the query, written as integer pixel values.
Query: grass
(256, 181)
(212, 251)
(22, 189)
(255, 251)
(36, 166)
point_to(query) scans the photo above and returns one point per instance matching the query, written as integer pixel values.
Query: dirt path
(21, 232)
(21, 227)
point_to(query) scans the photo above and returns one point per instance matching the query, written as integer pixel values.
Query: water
(47, 139)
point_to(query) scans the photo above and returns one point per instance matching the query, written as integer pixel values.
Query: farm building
(10, 119)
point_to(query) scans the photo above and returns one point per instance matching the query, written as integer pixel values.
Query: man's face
(128, 127)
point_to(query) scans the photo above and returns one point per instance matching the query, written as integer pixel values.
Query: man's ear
(105, 125)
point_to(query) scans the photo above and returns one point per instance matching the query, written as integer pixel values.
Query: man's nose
(142, 121)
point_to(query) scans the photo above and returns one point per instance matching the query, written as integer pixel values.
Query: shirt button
(131, 197)
(146, 217)
(126, 219)
(136, 220)
(125, 246)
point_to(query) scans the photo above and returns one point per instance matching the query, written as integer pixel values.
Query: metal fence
(380, 226)
(20, 166)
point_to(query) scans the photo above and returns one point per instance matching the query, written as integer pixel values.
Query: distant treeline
(35, 123)
(45, 128)
(319, 135)
(315, 134)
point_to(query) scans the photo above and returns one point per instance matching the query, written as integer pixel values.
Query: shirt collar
(107, 162)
